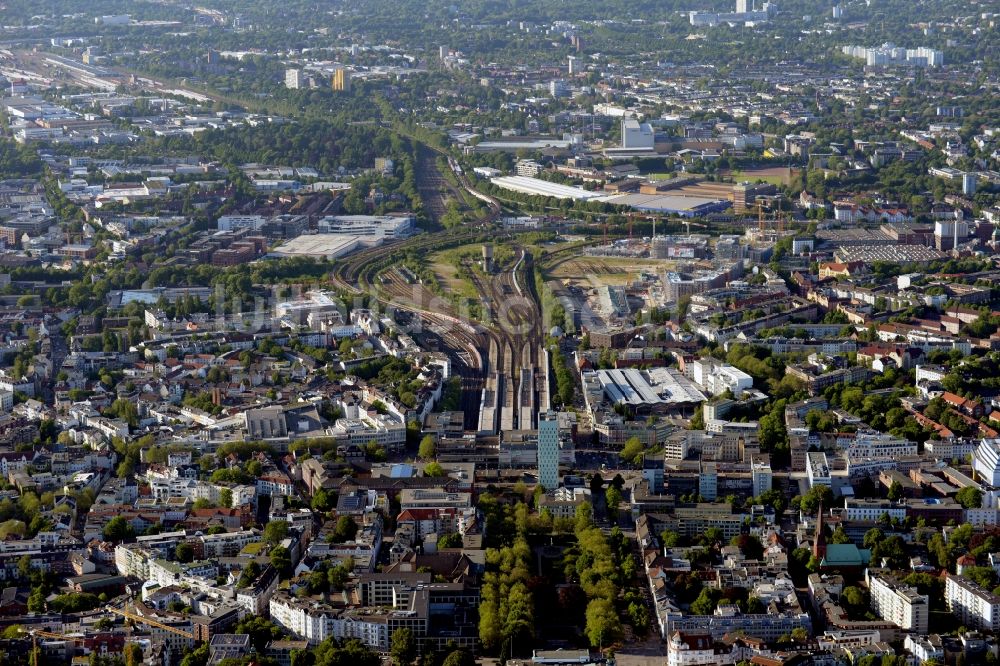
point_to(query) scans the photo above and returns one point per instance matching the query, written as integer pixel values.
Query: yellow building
(341, 80)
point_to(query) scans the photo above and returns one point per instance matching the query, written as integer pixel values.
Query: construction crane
(150, 622)
(38, 633)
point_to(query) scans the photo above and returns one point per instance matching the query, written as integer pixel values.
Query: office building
(376, 227)
(762, 477)
(741, 7)
(708, 481)
(548, 450)
(818, 469)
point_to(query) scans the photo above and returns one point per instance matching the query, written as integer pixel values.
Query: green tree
(118, 529)
(970, 497)
(344, 530)
(603, 626)
(450, 540)
(632, 451)
(74, 603)
(872, 537)
(983, 576)
(133, 654)
(321, 501)
(427, 449)
(281, 561)
(275, 532)
(404, 647)
(459, 658)
(613, 496)
(706, 602)
(712, 536)
(434, 469)
(261, 631)
(816, 495)
(24, 567)
(36, 600)
(839, 535)
(854, 601)
(184, 552)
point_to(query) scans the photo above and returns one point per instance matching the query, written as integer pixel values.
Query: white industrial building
(636, 135)
(717, 378)
(650, 389)
(543, 188)
(312, 302)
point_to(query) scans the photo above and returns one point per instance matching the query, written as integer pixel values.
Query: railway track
(432, 186)
(488, 382)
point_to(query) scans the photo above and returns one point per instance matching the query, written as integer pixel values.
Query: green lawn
(753, 177)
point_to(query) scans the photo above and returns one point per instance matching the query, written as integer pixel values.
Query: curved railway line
(502, 362)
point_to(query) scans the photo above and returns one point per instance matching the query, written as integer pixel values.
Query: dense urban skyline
(500, 332)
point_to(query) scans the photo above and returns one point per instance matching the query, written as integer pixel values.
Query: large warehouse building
(657, 390)
(544, 188)
(671, 204)
(674, 203)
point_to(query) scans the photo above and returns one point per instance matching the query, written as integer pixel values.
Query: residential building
(690, 649)
(899, 603)
(293, 79)
(974, 606)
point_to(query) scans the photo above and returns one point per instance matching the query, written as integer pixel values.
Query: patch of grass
(753, 177)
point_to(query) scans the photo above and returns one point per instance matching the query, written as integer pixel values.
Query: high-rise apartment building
(293, 78)
(341, 80)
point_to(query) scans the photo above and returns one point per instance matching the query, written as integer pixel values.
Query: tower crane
(150, 622)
